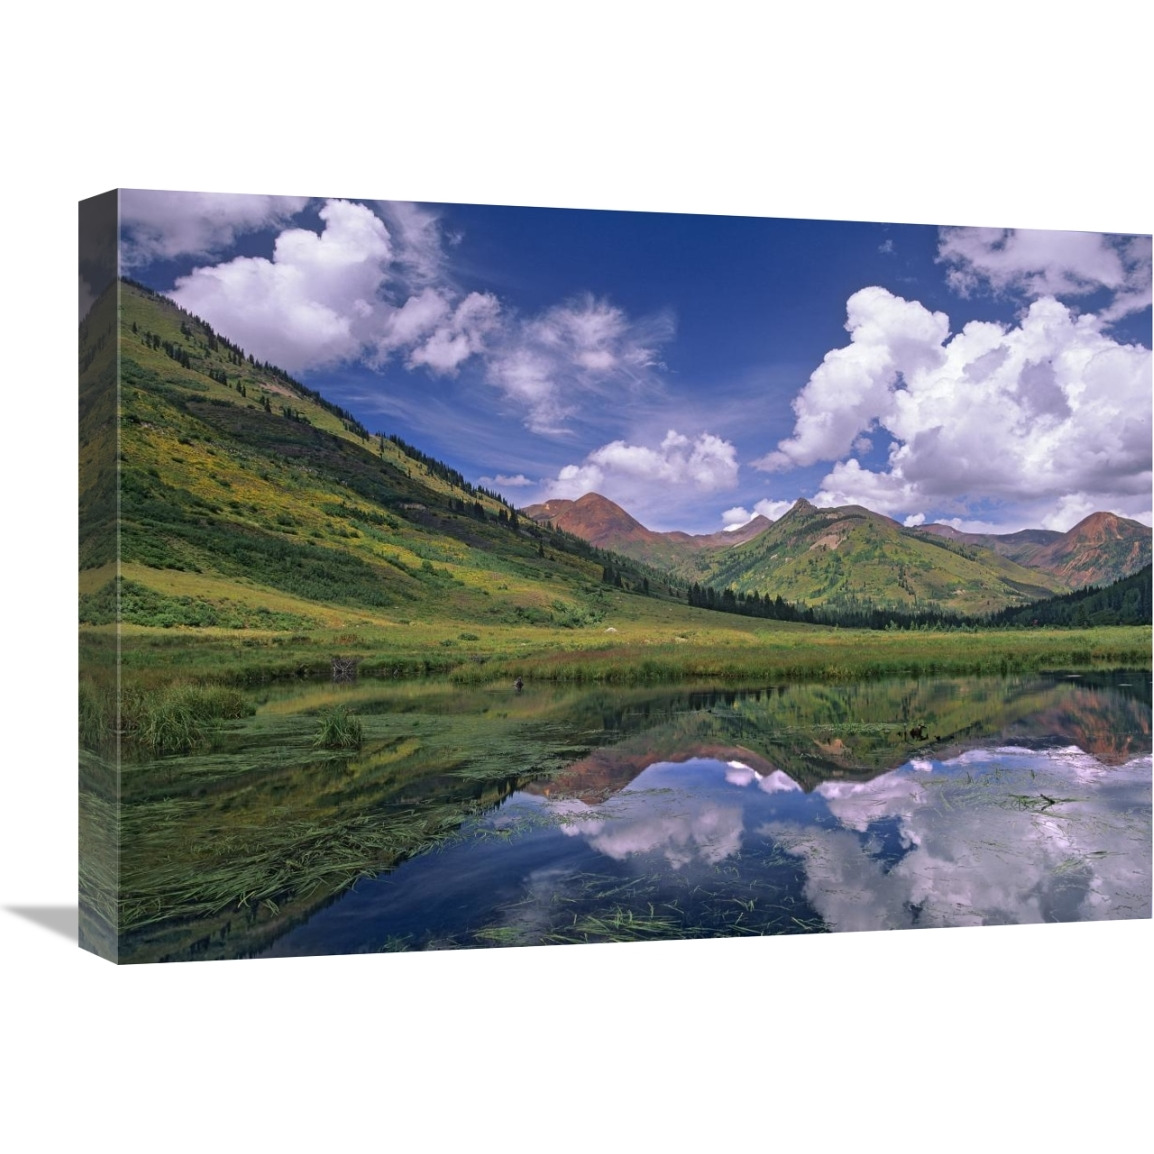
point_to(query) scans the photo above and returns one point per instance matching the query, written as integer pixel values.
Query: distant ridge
(605, 524)
(849, 554)
(1100, 549)
(849, 557)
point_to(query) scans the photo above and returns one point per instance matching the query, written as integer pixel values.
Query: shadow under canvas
(62, 920)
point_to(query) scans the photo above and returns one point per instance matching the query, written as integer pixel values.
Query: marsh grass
(180, 718)
(820, 654)
(293, 861)
(174, 718)
(339, 729)
(94, 717)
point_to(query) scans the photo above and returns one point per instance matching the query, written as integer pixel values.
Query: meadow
(639, 642)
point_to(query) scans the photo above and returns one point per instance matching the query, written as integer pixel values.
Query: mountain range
(1101, 548)
(605, 524)
(245, 500)
(849, 555)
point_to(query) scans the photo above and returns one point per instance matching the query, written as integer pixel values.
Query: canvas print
(462, 576)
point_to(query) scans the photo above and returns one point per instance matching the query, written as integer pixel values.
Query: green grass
(339, 729)
(255, 547)
(171, 719)
(825, 654)
(677, 645)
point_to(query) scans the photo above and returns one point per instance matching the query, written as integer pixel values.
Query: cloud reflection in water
(993, 836)
(997, 836)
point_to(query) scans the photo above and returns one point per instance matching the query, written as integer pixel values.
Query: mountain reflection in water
(794, 809)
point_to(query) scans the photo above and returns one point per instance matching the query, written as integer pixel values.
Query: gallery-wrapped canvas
(458, 576)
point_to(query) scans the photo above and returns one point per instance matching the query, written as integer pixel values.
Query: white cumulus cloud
(650, 480)
(891, 340)
(1044, 263)
(170, 224)
(738, 516)
(314, 303)
(1052, 414)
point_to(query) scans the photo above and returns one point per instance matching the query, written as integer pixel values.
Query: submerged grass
(657, 906)
(291, 862)
(99, 882)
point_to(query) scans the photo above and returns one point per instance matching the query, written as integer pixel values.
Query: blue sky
(696, 369)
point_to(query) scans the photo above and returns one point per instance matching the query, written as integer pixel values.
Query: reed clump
(178, 718)
(94, 718)
(339, 729)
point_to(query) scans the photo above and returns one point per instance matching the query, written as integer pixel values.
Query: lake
(475, 818)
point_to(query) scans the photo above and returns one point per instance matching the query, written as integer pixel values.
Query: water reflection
(698, 848)
(992, 836)
(565, 815)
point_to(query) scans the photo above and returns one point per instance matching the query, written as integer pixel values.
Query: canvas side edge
(99, 558)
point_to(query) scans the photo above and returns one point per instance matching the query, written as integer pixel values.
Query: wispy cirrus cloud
(585, 348)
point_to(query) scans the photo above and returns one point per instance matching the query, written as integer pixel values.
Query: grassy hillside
(249, 503)
(843, 556)
(263, 531)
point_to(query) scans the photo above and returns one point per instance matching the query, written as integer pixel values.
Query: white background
(1011, 1037)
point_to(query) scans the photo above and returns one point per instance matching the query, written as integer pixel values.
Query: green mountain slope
(846, 556)
(249, 502)
(1123, 602)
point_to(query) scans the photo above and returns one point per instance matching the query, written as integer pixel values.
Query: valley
(262, 530)
(311, 652)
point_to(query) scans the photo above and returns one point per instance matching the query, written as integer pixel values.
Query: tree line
(1124, 602)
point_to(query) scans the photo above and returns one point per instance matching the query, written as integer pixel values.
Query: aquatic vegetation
(339, 729)
(99, 854)
(238, 848)
(178, 718)
(94, 717)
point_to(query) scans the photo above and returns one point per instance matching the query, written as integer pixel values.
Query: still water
(564, 816)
